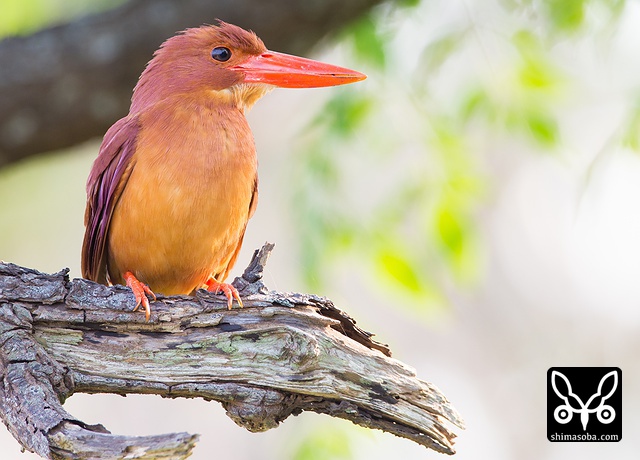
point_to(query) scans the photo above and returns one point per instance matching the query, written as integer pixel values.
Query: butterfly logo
(572, 404)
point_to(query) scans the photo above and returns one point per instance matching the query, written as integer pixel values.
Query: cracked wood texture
(282, 354)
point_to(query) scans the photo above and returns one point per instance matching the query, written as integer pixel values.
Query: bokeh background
(474, 203)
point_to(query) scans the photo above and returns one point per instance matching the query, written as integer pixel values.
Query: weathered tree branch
(280, 355)
(67, 84)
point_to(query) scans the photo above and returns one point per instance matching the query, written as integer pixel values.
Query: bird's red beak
(287, 71)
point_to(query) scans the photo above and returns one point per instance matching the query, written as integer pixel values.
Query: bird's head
(229, 64)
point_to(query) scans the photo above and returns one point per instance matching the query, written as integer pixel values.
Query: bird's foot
(228, 290)
(140, 291)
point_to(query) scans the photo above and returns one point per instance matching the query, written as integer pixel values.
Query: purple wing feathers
(106, 181)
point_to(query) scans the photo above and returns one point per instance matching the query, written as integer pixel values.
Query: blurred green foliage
(328, 442)
(19, 17)
(561, 17)
(631, 127)
(368, 42)
(417, 228)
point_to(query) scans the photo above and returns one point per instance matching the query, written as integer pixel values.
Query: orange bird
(175, 181)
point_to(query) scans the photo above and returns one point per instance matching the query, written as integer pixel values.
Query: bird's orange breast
(182, 214)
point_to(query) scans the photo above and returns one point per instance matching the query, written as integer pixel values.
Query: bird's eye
(221, 53)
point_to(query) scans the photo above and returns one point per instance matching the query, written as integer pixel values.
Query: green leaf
(18, 17)
(345, 112)
(631, 129)
(527, 43)
(478, 103)
(26, 16)
(616, 7)
(438, 51)
(566, 15)
(321, 168)
(367, 42)
(408, 3)
(537, 75)
(400, 269)
(327, 444)
(543, 128)
(451, 231)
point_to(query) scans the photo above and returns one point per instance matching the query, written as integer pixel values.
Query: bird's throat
(241, 95)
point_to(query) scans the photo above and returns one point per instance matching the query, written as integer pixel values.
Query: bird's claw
(228, 290)
(140, 291)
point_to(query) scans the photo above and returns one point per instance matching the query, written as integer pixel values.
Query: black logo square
(584, 404)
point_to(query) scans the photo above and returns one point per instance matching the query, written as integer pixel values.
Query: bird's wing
(252, 208)
(105, 184)
(254, 198)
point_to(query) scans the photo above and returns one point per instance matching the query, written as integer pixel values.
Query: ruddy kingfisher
(175, 181)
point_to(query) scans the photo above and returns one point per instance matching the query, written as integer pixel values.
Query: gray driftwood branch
(280, 355)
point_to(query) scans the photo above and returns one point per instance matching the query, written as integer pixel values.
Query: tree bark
(282, 354)
(67, 84)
